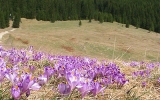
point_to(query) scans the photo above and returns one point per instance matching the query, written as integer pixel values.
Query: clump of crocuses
(88, 76)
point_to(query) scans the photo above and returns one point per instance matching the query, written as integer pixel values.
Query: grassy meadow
(109, 41)
(103, 41)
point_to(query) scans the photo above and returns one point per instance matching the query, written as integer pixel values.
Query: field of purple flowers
(27, 74)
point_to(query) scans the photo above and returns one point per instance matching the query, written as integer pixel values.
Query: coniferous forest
(140, 13)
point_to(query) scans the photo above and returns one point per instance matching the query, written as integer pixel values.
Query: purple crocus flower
(141, 73)
(12, 77)
(25, 84)
(16, 93)
(29, 83)
(97, 88)
(73, 80)
(84, 89)
(37, 56)
(2, 69)
(64, 89)
(32, 68)
(42, 79)
(135, 74)
(30, 49)
(49, 71)
(133, 63)
(159, 80)
(148, 72)
(2, 63)
(87, 60)
(144, 84)
(150, 66)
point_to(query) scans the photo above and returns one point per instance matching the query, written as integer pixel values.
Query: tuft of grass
(131, 94)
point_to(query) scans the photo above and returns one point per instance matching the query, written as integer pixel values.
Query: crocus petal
(84, 89)
(11, 77)
(25, 83)
(64, 89)
(35, 86)
(159, 80)
(15, 92)
(42, 79)
(31, 83)
(97, 89)
(32, 68)
(144, 84)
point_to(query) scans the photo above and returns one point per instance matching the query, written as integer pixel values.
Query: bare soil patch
(22, 41)
(67, 48)
(73, 39)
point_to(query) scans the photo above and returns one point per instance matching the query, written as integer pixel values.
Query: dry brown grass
(91, 39)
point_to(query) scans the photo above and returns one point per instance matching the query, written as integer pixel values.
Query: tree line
(140, 13)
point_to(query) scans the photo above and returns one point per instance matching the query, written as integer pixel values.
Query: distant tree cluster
(140, 13)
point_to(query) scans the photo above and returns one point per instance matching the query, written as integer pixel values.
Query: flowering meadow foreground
(27, 74)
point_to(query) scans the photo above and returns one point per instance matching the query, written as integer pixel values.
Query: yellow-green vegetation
(100, 40)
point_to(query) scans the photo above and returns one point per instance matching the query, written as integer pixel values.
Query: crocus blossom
(159, 79)
(16, 92)
(64, 89)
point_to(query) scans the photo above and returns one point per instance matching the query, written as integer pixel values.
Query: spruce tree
(7, 19)
(90, 19)
(151, 27)
(38, 16)
(137, 24)
(53, 19)
(80, 23)
(2, 20)
(105, 17)
(16, 21)
(100, 18)
(127, 24)
(96, 16)
(110, 18)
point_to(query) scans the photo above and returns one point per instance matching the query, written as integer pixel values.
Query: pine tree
(90, 20)
(137, 23)
(96, 15)
(127, 24)
(85, 9)
(53, 19)
(2, 20)
(7, 19)
(23, 7)
(38, 16)
(16, 21)
(105, 17)
(151, 27)
(100, 18)
(110, 18)
(91, 8)
(80, 23)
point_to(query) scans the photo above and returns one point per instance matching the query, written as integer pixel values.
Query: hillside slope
(103, 41)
